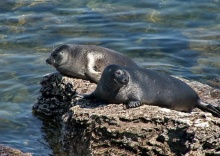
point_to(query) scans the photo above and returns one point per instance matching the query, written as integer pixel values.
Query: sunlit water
(174, 36)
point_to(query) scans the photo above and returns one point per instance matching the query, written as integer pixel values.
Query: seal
(137, 86)
(85, 61)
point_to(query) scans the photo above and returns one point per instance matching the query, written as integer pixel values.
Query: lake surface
(178, 37)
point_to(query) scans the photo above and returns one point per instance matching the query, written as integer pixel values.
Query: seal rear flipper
(133, 104)
(209, 108)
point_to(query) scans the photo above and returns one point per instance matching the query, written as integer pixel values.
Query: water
(174, 36)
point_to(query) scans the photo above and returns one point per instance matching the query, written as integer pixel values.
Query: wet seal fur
(85, 61)
(137, 86)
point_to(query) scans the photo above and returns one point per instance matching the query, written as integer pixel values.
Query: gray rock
(92, 128)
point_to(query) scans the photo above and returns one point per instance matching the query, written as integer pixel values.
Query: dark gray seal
(85, 61)
(137, 86)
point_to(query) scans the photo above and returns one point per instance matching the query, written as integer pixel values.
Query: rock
(8, 151)
(92, 128)
(57, 92)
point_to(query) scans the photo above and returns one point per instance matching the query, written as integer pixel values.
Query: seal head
(119, 76)
(112, 81)
(58, 57)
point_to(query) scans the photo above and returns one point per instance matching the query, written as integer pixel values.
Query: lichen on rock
(89, 127)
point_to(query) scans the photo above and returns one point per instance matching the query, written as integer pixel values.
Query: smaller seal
(137, 86)
(86, 61)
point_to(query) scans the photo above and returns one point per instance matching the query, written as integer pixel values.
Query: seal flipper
(209, 108)
(94, 77)
(133, 104)
(85, 96)
(93, 60)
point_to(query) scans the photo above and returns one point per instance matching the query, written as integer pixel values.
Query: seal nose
(125, 80)
(49, 61)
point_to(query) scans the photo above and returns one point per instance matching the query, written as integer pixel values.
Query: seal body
(137, 86)
(86, 61)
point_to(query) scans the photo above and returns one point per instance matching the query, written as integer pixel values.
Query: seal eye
(54, 55)
(118, 73)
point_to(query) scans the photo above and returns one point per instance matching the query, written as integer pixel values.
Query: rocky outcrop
(8, 151)
(93, 128)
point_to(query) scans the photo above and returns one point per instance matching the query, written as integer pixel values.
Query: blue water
(174, 36)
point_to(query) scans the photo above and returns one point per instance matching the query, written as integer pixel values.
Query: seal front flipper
(94, 64)
(93, 77)
(133, 104)
(85, 96)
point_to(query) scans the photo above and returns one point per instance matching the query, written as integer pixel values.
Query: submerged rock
(93, 128)
(8, 151)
